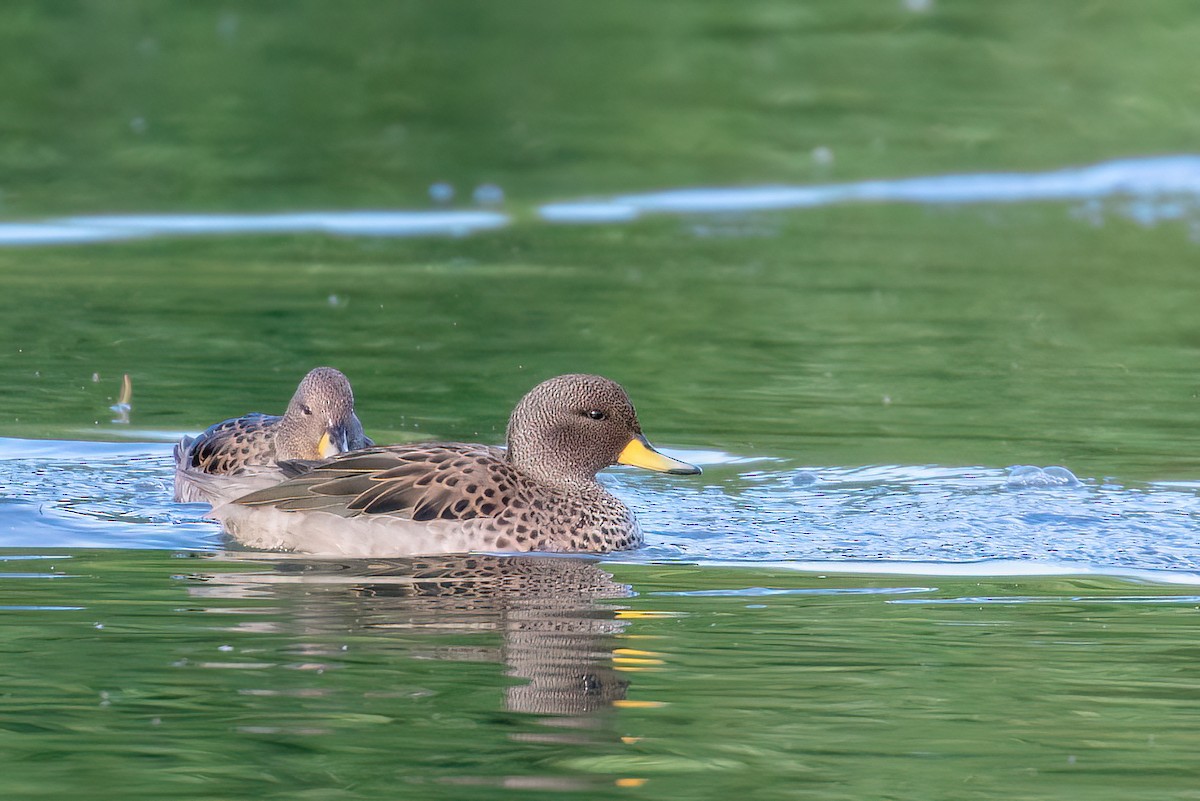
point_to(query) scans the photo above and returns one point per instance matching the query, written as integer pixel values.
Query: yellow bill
(639, 453)
(334, 441)
(326, 447)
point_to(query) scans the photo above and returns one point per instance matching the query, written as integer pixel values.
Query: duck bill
(639, 453)
(333, 442)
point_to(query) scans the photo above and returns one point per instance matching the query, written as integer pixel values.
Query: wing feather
(216, 450)
(444, 481)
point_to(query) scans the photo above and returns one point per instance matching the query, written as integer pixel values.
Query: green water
(961, 337)
(951, 335)
(136, 106)
(219, 679)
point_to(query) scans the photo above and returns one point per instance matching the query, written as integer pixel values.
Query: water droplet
(227, 27)
(488, 195)
(1033, 477)
(805, 478)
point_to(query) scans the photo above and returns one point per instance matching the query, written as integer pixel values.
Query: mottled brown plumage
(240, 455)
(540, 494)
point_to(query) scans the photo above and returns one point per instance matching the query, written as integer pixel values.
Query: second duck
(239, 455)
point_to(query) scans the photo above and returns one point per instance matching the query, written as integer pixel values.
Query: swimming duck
(539, 494)
(238, 456)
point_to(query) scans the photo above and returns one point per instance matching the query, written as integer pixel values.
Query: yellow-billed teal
(541, 494)
(237, 456)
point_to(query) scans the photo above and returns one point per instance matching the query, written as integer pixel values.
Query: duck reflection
(555, 635)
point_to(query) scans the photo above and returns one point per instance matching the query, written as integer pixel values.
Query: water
(1149, 191)
(920, 519)
(242, 676)
(913, 282)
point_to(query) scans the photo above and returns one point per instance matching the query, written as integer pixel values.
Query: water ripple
(917, 519)
(922, 515)
(759, 592)
(1165, 187)
(1151, 190)
(56, 494)
(1051, 599)
(341, 223)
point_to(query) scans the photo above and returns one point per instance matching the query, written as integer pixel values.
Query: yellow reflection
(634, 652)
(645, 614)
(626, 703)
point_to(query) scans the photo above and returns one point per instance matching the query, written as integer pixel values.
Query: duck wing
(442, 481)
(228, 445)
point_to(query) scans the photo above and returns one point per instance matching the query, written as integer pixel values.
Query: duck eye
(305, 409)
(596, 414)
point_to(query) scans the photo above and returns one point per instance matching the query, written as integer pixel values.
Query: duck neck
(554, 469)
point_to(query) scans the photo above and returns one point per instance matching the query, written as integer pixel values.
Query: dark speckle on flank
(540, 492)
(258, 440)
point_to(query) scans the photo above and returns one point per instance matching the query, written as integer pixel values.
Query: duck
(242, 454)
(539, 493)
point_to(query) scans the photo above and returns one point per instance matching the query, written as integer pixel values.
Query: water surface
(236, 676)
(913, 281)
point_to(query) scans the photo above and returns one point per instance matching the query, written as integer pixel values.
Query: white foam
(893, 520)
